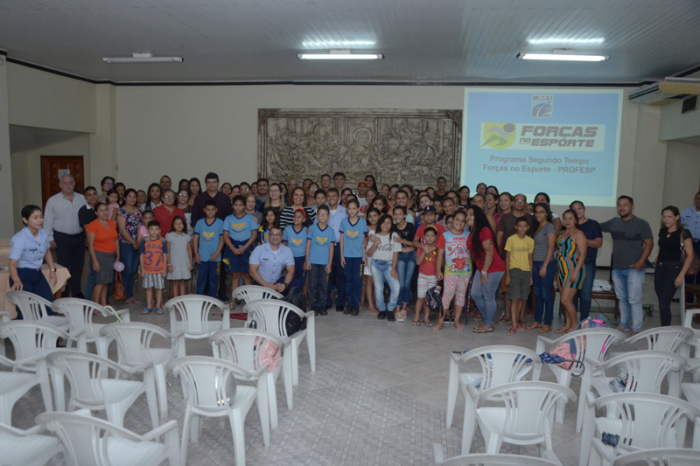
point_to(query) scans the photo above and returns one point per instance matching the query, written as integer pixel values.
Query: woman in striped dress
(572, 247)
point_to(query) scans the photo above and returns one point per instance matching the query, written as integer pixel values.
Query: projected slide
(563, 142)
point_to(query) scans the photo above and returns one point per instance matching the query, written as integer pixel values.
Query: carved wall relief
(396, 146)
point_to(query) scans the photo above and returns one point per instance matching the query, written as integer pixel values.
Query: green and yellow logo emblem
(499, 135)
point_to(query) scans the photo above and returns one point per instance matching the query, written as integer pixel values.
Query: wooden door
(55, 166)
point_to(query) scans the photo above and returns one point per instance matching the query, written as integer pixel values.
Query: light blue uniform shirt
(241, 229)
(334, 220)
(209, 238)
(353, 236)
(271, 263)
(690, 218)
(321, 240)
(296, 241)
(28, 250)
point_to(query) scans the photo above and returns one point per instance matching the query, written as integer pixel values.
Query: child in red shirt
(426, 261)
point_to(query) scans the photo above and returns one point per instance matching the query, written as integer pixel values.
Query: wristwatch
(484, 272)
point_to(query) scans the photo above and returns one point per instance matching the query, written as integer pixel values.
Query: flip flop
(146, 311)
(482, 330)
(159, 311)
(429, 324)
(416, 323)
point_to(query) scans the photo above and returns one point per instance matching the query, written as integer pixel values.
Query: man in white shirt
(66, 235)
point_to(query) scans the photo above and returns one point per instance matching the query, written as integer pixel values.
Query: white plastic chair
(13, 385)
(244, 347)
(693, 344)
(525, 415)
(4, 317)
(642, 420)
(135, 350)
(194, 312)
(212, 391)
(249, 293)
(26, 447)
(591, 343)
(92, 389)
(270, 315)
(691, 390)
(79, 313)
(668, 339)
(32, 341)
(89, 441)
(481, 459)
(33, 307)
(659, 457)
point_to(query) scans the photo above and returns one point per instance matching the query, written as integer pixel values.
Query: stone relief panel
(396, 146)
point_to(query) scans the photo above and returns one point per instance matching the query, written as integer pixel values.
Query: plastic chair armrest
(19, 432)
(551, 456)
(590, 400)
(5, 316)
(309, 314)
(160, 431)
(473, 392)
(689, 314)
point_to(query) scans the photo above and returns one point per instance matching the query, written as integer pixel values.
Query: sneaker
(382, 315)
(355, 311)
(339, 308)
(348, 310)
(390, 316)
(323, 311)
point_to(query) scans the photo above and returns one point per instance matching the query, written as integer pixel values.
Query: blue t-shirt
(209, 236)
(295, 241)
(240, 229)
(27, 250)
(320, 244)
(353, 236)
(591, 229)
(263, 235)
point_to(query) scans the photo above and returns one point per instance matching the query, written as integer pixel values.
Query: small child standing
(270, 219)
(113, 204)
(319, 259)
(208, 243)
(239, 235)
(352, 254)
(295, 237)
(372, 215)
(453, 253)
(519, 248)
(180, 252)
(426, 261)
(154, 256)
(146, 217)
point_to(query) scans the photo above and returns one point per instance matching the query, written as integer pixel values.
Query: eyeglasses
(313, 189)
(109, 184)
(274, 190)
(518, 200)
(183, 194)
(168, 197)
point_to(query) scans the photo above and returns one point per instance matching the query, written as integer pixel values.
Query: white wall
(675, 125)
(6, 203)
(682, 178)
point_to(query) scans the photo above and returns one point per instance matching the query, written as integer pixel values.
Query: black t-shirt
(86, 215)
(407, 233)
(670, 247)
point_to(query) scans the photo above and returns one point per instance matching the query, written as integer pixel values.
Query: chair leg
(264, 409)
(186, 427)
(272, 397)
(288, 382)
(114, 414)
(238, 436)
(162, 390)
(311, 341)
(295, 363)
(674, 384)
(43, 373)
(58, 389)
(468, 428)
(5, 410)
(494, 444)
(195, 424)
(452, 388)
(152, 398)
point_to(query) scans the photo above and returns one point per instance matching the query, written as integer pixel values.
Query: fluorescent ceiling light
(340, 55)
(142, 58)
(554, 40)
(561, 57)
(336, 43)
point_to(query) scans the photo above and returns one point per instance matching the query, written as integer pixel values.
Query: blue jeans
(33, 281)
(484, 296)
(299, 275)
(544, 299)
(337, 278)
(381, 272)
(130, 257)
(90, 284)
(318, 286)
(628, 289)
(583, 299)
(208, 272)
(405, 267)
(353, 280)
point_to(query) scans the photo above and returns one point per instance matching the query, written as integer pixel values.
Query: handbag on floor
(118, 293)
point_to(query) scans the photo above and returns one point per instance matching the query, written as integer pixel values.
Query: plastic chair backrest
(660, 457)
(647, 420)
(84, 438)
(500, 364)
(30, 338)
(250, 293)
(242, 346)
(134, 340)
(193, 311)
(529, 406)
(485, 459)
(79, 313)
(85, 373)
(270, 315)
(210, 383)
(646, 370)
(594, 343)
(33, 306)
(664, 338)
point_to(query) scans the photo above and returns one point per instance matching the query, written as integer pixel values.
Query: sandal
(534, 325)
(146, 311)
(429, 324)
(512, 331)
(545, 329)
(159, 311)
(481, 329)
(415, 323)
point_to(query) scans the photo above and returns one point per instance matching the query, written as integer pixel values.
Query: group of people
(314, 238)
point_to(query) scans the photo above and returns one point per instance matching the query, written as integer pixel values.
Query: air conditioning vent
(690, 104)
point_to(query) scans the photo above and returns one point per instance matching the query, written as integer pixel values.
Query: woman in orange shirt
(104, 251)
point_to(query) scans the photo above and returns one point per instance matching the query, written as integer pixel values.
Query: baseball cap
(430, 209)
(362, 182)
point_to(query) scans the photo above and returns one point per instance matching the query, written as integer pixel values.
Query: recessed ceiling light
(337, 43)
(561, 57)
(340, 55)
(142, 58)
(561, 40)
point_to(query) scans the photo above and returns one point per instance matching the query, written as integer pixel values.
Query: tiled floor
(378, 396)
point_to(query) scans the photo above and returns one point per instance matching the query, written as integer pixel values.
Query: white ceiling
(423, 40)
